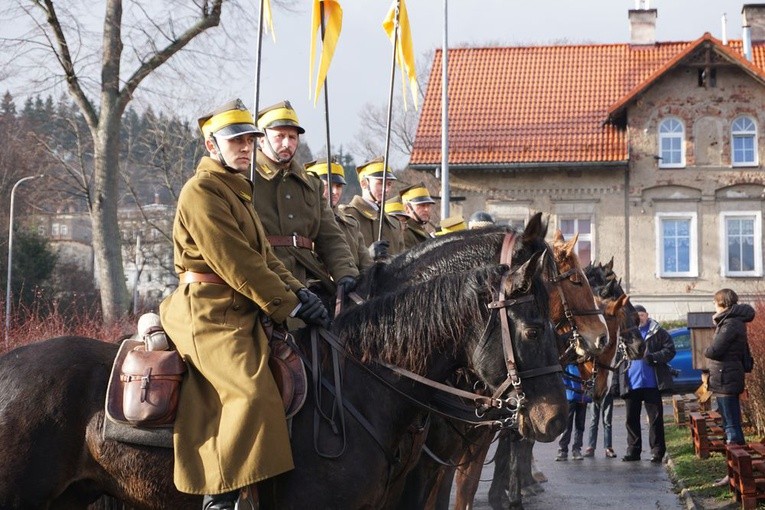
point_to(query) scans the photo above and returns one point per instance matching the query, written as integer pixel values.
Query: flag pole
(390, 114)
(445, 193)
(326, 113)
(256, 99)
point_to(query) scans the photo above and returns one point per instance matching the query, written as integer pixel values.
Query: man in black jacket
(641, 382)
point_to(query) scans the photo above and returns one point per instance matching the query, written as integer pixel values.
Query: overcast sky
(360, 71)
(361, 66)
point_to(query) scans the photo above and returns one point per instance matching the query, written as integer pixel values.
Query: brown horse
(51, 410)
(574, 311)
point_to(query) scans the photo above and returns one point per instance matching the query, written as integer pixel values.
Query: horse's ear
(535, 228)
(613, 307)
(623, 300)
(570, 245)
(610, 266)
(609, 288)
(531, 268)
(558, 236)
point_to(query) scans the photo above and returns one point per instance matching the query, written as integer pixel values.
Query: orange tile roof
(522, 106)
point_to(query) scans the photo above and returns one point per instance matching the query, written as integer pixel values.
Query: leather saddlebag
(152, 382)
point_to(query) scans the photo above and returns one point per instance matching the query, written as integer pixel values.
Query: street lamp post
(10, 257)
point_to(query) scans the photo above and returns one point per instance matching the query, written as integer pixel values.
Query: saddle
(286, 366)
(126, 395)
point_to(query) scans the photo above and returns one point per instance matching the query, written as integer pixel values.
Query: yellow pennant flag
(267, 19)
(404, 48)
(333, 16)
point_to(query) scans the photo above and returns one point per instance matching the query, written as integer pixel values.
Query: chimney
(642, 26)
(724, 21)
(754, 16)
(746, 42)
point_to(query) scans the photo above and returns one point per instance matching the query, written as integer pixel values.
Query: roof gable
(707, 45)
(546, 105)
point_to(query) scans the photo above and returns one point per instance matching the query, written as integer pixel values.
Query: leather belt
(192, 277)
(294, 240)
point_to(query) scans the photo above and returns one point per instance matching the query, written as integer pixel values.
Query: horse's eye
(531, 333)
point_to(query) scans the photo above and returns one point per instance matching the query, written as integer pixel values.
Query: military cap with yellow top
(374, 168)
(228, 121)
(280, 114)
(395, 207)
(416, 194)
(452, 224)
(319, 167)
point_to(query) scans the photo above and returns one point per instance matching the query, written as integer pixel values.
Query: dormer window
(743, 141)
(671, 143)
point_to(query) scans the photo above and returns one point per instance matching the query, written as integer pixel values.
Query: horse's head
(630, 339)
(443, 323)
(578, 319)
(519, 330)
(607, 286)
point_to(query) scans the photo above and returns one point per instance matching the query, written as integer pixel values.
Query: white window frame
(724, 217)
(582, 236)
(693, 263)
(671, 135)
(743, 134)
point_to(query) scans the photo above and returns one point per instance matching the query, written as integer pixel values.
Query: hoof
(539, 477)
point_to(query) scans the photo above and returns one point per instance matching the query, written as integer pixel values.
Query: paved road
(597, 482)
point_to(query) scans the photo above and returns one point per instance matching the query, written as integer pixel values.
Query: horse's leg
(526, 478)
(469, 476)
(442, 493)
(498, 499)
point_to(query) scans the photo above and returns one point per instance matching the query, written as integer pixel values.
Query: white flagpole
(445, 193)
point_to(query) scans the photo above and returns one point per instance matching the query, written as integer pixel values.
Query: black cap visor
(234, 130)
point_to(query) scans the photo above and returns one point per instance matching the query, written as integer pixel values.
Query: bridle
(572, 335)
(508, 400)
(516, 400)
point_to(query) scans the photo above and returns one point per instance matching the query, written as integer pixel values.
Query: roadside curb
(685, 494)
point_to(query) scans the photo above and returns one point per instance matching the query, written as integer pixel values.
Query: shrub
(33, 323)
(755, 381)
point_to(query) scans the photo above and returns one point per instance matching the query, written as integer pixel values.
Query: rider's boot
(225, 501)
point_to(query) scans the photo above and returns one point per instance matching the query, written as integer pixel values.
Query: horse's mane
(406, 327)
(467, 249)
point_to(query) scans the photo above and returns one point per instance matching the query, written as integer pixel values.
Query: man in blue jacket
(641, 382)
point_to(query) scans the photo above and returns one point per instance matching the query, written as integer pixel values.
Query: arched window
(671, 143)
(743, 142)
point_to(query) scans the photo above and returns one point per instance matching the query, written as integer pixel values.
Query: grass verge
(696, 475)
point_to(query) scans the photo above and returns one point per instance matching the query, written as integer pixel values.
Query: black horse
(570, 296)
(51, 410)
(513, 461)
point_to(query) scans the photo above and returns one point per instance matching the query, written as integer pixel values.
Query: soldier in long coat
(367, 207)
(417, 204)
(299, 222)
(230, 429)
(347, 223)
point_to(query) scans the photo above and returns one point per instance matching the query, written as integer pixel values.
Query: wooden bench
(746, 470)
(688, 403)
(707, 433)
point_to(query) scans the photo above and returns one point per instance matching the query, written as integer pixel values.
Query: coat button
(290, 215)
(287, 196)
(278, 301)
(236, 307)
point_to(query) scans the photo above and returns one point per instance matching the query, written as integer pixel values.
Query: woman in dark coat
(726, 360)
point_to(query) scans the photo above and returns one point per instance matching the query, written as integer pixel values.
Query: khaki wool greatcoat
(352, 231)
(289, 201)
(369, 224)
(230, 430)
(414, 234)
